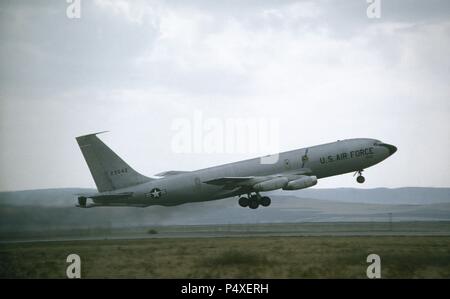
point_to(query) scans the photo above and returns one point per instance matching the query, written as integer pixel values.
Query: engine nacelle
(270, 185)
(302, 183)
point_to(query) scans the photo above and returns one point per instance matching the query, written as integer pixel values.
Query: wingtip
(92, 134)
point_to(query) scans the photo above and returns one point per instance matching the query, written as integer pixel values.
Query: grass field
(240, 257)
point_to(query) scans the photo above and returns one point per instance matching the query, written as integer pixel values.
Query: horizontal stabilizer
(112, 196)
(93, 205)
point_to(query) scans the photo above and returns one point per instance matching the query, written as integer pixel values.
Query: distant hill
(43, 197)
(407, 195)
(53, 209)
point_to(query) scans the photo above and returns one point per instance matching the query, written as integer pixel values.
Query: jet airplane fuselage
(291, 170)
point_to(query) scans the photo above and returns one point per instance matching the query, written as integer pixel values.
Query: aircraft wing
(227, 181)
(249, 181)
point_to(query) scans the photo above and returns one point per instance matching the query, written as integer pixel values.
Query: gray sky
(323, 69)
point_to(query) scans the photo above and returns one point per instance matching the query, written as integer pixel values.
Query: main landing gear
(253, 201)
(360, 179)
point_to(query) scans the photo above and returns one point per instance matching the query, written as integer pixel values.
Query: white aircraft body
(120, 185)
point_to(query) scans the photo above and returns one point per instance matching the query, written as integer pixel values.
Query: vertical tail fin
(109, 171)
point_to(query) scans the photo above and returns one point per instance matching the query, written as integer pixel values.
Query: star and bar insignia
(155, 193)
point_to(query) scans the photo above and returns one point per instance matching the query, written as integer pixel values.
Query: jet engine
(304, 182)
(272, 184)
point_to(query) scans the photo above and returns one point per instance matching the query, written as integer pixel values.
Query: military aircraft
(120, 185)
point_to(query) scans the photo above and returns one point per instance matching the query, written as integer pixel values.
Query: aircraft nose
(391, 148)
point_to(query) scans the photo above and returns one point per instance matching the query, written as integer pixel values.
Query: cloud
(135, 12)
(322, 68)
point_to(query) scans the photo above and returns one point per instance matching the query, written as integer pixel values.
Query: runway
(338, 229)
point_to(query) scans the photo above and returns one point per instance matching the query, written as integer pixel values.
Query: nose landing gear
(253, 201)
(360, 179)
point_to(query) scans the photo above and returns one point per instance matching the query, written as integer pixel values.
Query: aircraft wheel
(253, 203)
(243, 202)
(265, 201)
(360, 179)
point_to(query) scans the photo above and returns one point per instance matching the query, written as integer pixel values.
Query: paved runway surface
(251, 230)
